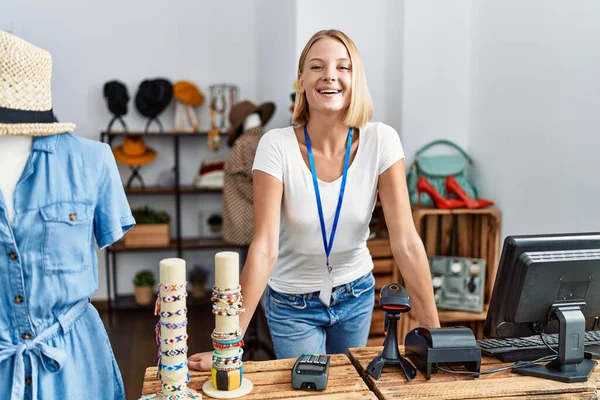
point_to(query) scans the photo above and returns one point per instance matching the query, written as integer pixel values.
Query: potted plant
(151, 229)
(144, 282)
(197, 278)
(214, 222)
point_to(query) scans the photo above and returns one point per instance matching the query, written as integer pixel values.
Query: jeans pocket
(287, 300)
(363, 284)
(67, 241)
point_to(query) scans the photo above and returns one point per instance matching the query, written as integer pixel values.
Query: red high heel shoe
(452, 186)
(423, 185)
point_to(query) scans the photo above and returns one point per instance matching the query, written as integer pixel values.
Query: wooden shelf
(186, 244)
(166, 133)
(127, 302)
(169, 190)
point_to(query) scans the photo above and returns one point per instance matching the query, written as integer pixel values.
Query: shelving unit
(178, 243)
(467, 233)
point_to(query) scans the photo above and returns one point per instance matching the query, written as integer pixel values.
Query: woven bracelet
(175, 352)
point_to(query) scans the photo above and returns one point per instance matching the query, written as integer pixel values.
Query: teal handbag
(436, 169)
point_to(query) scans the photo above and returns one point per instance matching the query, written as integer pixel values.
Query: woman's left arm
(407, 246)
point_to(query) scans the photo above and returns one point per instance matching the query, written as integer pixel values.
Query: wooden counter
(273, 380)
(499, 386)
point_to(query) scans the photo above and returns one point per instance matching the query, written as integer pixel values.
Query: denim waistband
(337, 290)
(51, 358)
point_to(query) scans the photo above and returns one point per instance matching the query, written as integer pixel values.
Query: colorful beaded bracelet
(219, 355)
(227, 290)
(225, 336)
(239, 343)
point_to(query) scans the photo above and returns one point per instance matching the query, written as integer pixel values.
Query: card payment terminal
(311, 372)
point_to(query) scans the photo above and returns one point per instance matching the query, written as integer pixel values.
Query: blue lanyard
(311, 160)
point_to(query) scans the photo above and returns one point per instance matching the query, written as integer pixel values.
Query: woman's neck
(328, 134)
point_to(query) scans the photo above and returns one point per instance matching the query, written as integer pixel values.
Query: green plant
(215, 219)
(144, 278)
(198, 275)
(147, 215)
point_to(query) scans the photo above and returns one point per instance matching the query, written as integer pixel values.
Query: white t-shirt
(300, 267)
(14, 153)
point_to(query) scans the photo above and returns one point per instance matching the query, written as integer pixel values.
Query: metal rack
(177, 243)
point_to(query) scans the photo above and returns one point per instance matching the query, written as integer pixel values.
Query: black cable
(547, 345)
(517, 365)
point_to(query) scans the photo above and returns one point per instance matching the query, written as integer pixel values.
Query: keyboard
(531, 347)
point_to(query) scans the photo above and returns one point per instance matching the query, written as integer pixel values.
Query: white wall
(276, 56)
(436, 61)
(535, 112)
(93, 42)
(365, 23)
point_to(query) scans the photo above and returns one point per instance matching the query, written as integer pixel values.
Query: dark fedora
(153, 96)
(117, 97)
(240, 111)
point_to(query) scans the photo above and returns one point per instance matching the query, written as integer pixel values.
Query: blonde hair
(360, 110)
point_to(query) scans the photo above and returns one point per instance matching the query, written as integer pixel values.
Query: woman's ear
(300, 84)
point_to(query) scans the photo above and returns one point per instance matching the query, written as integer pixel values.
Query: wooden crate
(461, 233)
(147, 235)
(385, 271)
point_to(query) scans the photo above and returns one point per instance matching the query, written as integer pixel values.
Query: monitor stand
(570, 365)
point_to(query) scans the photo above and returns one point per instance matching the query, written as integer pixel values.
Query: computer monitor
(549, 284)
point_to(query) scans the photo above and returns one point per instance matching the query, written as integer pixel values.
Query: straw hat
(133, 152)
(25, 98)
(240, 111)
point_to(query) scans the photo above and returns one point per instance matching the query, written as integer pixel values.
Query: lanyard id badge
(327, 285)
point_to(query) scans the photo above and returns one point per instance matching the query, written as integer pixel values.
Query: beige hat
(25, 98)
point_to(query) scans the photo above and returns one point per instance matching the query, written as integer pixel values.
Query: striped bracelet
(167, 314)
(175, 352)
(172, 325)
(172, 288)
(172, 367)
(174, 339)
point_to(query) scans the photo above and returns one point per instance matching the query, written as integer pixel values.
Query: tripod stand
(390, 353)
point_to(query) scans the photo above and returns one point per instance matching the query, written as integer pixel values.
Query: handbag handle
(447, 143)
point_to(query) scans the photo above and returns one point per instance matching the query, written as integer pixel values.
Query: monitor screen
(539, 272)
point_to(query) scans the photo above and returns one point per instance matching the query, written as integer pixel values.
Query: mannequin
(61, 195)
(14, 153)
(252, 121)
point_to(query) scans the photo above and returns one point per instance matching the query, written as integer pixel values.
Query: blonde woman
(315, 188)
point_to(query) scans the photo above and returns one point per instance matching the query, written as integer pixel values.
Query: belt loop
(309, 296)
(348, 287)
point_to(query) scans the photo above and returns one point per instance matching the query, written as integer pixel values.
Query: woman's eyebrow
(320, 59)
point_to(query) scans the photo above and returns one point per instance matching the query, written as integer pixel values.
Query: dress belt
(51, 358)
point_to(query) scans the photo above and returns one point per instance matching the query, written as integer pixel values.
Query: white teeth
(329, 91)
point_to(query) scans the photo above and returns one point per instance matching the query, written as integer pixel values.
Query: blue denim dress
(53, 344)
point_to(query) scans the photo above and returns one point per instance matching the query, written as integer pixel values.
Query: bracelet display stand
(171, 333)
(227, 378)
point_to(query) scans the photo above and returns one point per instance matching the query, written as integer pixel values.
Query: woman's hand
(201, 361)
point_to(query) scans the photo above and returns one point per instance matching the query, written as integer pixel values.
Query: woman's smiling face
(326, 78)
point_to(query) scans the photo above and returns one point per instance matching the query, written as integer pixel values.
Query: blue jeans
(302, 323)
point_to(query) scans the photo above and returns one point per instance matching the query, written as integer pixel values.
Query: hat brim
(36, 129)
(266, 111)
(134, 161)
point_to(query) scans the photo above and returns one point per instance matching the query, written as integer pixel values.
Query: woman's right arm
(263, 251)
(262, 254)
